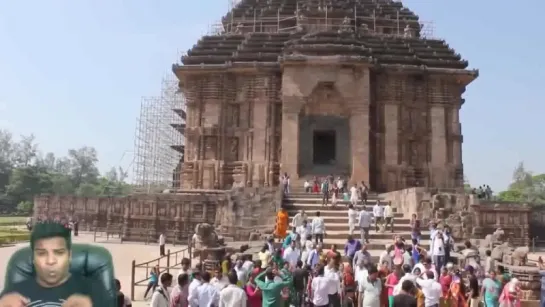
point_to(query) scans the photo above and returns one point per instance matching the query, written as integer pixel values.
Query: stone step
(343, 234)
(374, 244)
(317, 206)
(333, 225)
(341, 215)
(303, 194)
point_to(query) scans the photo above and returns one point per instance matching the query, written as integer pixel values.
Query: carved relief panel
(136, 208)
(210, 144)
(162, 209)
(233, 149)
(325, 100)
(233, 115)
(118, 208)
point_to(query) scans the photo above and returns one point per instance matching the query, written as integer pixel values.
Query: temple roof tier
(268, 47)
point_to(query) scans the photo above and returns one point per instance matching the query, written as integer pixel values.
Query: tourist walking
(364, 222)
(491, 289)
(162, 241)
(232, 295)
(180, 293)
(161, 296)
(318, 228)
(153, 280)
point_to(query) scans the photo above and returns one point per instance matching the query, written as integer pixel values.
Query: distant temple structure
(313, 88)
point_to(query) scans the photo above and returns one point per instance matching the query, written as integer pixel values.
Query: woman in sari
(383, 273)
(282, 222)
(253, 292)
(456, 294)
(510, 295)
(491, 290)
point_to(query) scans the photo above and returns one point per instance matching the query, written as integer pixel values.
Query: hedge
(14, 236)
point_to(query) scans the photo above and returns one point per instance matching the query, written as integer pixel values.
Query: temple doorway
(324, 147)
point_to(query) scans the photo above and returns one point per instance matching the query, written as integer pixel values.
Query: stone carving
(209, 147)
(346, 26)
(233, 149)
(239, 29)
(363, 29)
(408, 32)
(470, 256)
(205, 236)
(499, 251)
(518, 257)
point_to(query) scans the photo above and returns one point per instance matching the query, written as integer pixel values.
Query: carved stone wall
(417, 134)
(233, 135)
(143, 217)
(513, 218)
(465, 214)
(243, 127)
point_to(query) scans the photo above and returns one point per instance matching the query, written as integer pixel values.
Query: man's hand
(13, 300)
(78, 300)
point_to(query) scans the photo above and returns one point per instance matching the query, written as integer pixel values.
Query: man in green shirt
(271, 290)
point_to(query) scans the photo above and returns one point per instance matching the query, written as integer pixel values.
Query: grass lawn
(12, 220)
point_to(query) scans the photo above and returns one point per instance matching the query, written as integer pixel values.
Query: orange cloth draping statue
(282, 223)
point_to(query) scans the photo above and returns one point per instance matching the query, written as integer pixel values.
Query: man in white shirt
(162, 241)
(161, 296)
(352, 218)
(192, 291)
(321, 286)
(431, 289)
(354, 195)
(304, 231)
(386, 256)
(207, 294)
(424, 267)
(242, 273)
(232, 295)
(378, 214)
(388, 214)
(298, 219)
(438, 250)
(330, 271)
(407, 276)
(360, 271)
(219, 281)
(307, 186)
(369, 289)
(364, 221)
(318, 228)
(292, 254)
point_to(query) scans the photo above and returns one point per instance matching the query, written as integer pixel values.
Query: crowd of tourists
(296, 270)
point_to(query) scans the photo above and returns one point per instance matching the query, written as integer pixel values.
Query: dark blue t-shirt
(50, 297)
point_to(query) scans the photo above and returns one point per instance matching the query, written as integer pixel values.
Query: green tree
(25, 172)
(526, 187)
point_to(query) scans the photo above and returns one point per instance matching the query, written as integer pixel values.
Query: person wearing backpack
(161, 296)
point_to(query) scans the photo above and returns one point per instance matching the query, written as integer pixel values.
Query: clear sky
(73, 72)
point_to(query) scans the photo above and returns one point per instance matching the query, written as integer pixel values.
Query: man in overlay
(54, 285)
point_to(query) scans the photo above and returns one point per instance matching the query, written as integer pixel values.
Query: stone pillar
(438, 165)
(391, 147)
(290, 135)
(359, 141)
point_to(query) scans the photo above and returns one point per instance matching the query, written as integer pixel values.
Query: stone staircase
(336, 221)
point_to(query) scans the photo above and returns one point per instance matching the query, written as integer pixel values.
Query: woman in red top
(253, 293)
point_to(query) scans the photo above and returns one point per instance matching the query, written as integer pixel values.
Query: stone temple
(317, 87)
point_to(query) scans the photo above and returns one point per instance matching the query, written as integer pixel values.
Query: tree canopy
(525, 187)
(26, 172)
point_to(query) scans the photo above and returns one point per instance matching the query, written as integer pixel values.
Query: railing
(171, 260)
